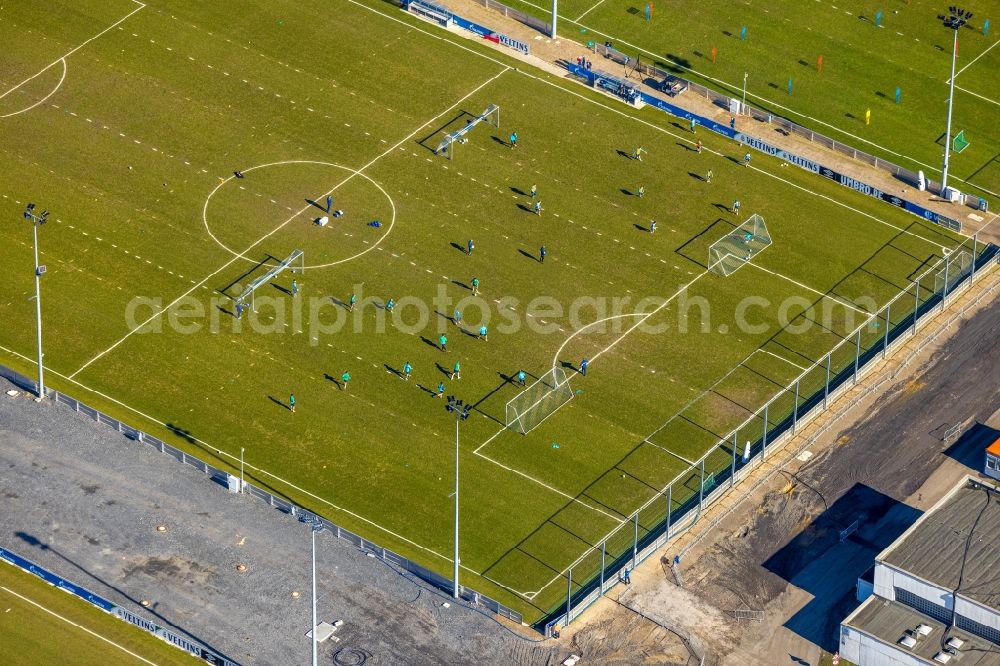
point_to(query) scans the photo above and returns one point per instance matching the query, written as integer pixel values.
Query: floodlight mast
(956, 19)
(37, 221)
(461, 412)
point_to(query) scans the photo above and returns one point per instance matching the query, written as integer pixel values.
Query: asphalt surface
(84, 502)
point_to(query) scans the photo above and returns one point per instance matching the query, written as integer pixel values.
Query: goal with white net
(295, 262)
(491, 116)
(539, 401)
(728, 254)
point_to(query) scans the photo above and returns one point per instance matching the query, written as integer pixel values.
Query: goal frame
(490, 116)
(750, 238)
(553, 383)
(296, 263)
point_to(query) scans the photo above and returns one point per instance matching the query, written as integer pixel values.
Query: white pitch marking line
(800, 367)
(54, 91)
(596, 5)
(985, 99)
(808, 288)
(78, 626)
(56, 61)
(948, 80)
(242, 255)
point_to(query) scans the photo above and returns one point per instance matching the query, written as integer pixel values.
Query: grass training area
(865, 58)
(133, 139)
(41, 624)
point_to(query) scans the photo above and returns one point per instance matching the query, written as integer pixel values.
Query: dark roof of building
(889, 621)
(956, 545)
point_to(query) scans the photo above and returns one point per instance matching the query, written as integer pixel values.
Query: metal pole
(569, 592)
(455, 591)
(603, 552)
(701, 487)
(241, 469)
(857, 355)
(732, 477)
(670, 501)
(944, 294)
(947, 132)
(555, 14)
(826, 390)
(795, 408)
(635, 540)
(885, 344)
(975, 248)
(916, 306)
(763, 445)
(743, 106)
(315, 642)
(38, 314)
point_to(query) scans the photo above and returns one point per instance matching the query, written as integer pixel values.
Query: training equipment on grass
(728, 254)
(491, 116)
(297, 257)
(539, 401)
(960, 143)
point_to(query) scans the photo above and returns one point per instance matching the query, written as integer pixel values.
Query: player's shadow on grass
(460, 248)
(280, 403)
(459, 283)
(500, 141)
(628, 193)
(320, 206)
(519, 192)
(423, 388)
(641, 228)
(527, 254)
(430, 343)
(569, 366)
(525, 208)
(336, 301)
(696, 176)
(625, 155)
(444, 316)
(395, 371)
(690, 149)
(734, 160)
(280, 288)
(443, 370)
(325, 376)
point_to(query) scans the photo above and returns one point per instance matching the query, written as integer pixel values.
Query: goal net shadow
(539, 401)
(728, 254)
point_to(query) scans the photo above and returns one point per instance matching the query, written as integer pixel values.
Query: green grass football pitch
(151, 237)
(39, 623)
(862, 66)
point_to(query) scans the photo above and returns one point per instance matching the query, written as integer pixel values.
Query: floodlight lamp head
(43, 218)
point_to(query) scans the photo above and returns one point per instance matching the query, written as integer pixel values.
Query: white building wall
(980, 614)
(863, 650)
(886, 578)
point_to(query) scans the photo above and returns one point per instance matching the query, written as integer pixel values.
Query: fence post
(885, 345)
(732, 477)
(795, 407)
(857, 354)
(916, 305)
(569, 592)
(701, 486)
(763, 445)
(635, 540)
(670, 500)
(826, 389)
(603, 549)
(975, 248)
(944, 294)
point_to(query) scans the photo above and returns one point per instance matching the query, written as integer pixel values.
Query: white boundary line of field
(790, 110)
(972, 62)
(78, 626)
(836, 299)
(42, 100)
(782, 358)
(974, 94)
(287, 221)
(410, 26)
(77, 48)
(595, 6)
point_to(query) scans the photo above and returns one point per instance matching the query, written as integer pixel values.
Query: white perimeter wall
(861, 649)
